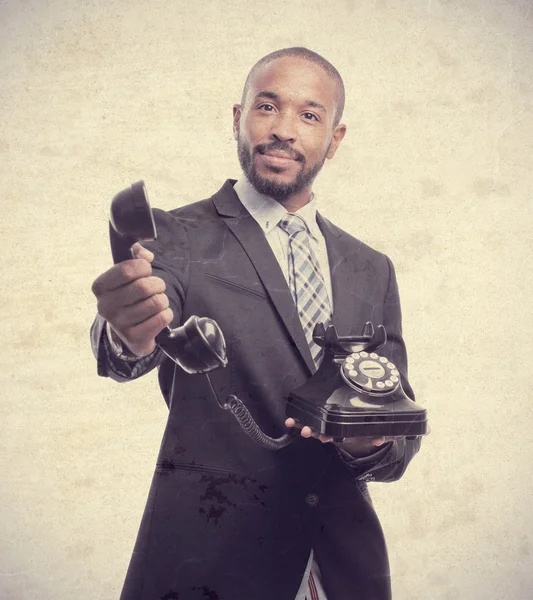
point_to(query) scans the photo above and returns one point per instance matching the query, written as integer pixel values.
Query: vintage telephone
(354, 393)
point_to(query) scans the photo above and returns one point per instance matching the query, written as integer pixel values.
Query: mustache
(283, 147)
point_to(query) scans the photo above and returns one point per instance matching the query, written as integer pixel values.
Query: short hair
(310, 56)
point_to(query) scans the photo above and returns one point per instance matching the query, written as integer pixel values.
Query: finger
(384, 440)
(121, 275)
(143, 288)
(142, 252)
(307, 432)
(140, 338)
(142, 310)
(113, 303)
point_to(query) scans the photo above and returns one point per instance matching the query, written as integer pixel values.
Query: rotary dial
(370, 373)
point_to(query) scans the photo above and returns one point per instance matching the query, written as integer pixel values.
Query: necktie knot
(292, 224)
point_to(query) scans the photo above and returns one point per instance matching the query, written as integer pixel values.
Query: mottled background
(436, 170)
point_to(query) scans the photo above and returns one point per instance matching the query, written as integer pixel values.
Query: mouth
(278, 159)
(278, 154)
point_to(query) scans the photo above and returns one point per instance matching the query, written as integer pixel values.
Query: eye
(266, 107)
(309, 116)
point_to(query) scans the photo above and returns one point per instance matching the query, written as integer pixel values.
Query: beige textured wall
(436, 170)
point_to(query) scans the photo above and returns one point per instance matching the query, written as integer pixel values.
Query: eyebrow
(274, 96)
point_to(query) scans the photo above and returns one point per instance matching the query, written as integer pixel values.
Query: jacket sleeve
(110, 365)
(390, 462)
(171, 263)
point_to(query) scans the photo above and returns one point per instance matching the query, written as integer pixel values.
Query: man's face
(285, 130)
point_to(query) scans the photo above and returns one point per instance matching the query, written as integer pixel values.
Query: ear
(237, 112)
(338, 135)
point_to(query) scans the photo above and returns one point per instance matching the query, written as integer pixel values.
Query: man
(227, 519)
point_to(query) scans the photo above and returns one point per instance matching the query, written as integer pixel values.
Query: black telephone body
(354, 393)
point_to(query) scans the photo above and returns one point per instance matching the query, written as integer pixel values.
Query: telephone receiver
(197, 346)
(354, 393)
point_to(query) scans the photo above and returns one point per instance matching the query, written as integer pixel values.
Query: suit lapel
(252, 239)
(340, 248)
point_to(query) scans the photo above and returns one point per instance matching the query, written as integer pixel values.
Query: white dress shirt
(268, 213)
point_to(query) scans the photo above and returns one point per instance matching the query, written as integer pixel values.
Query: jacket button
(311, 499)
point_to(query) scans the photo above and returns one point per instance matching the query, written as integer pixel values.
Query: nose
(283, 128)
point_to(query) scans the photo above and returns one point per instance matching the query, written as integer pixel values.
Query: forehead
(296, 79)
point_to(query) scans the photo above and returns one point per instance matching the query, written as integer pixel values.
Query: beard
(269, 187)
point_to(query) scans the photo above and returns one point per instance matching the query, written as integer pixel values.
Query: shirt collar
(268, 212)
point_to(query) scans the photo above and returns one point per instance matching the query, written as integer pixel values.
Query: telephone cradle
(354, 393)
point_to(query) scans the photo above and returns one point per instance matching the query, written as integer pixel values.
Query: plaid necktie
(306, 281)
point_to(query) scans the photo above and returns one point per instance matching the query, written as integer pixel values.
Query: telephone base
(330, 406)
(395, 419)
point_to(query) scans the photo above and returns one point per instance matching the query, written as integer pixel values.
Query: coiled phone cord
(248, 425)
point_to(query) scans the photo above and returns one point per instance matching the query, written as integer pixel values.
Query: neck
(294, 202)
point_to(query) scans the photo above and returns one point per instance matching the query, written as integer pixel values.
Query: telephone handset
(354, 393)
(198, 346)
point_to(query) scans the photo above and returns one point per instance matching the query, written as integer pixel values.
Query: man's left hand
(358, 447)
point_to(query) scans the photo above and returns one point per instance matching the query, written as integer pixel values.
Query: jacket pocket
(236, 287)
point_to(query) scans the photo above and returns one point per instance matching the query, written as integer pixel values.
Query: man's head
(288, 122)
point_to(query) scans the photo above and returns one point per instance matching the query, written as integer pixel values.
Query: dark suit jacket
(226, 519)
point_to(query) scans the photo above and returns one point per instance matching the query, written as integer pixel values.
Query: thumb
(141, 252)
(379, 441)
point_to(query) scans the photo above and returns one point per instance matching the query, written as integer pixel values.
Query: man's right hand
(133, 301)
